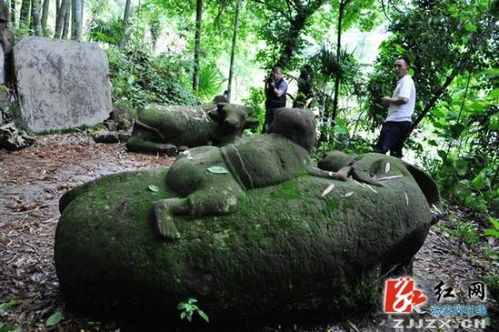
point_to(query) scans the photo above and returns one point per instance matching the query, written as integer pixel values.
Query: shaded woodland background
(187, 52)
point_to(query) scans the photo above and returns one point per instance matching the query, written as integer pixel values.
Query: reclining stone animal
(165, 129)
(250, 163)
(261, 232)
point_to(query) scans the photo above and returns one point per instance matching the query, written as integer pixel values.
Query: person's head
(219, 99)
(401, 67)
(276, 73)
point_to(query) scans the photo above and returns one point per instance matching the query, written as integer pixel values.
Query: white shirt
(405, 88)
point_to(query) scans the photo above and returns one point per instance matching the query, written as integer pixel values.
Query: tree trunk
(337, 80)
(35, 24)
(57, 8)
(24, 16)
(126, 14)
(126, 18)
(61, 17)
(13, 13)
(76, 21)
(67, 20)
(45, 14)
(197, 44)
(233, 50)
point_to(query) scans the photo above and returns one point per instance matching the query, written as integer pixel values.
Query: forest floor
(33, 180)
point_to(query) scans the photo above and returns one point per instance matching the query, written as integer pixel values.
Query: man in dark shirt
(275, 91)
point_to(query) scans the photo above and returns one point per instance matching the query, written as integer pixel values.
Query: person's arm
(279, 91)
(395, 101)
(403, 95)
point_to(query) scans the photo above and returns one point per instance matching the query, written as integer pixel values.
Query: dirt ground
(33, 180)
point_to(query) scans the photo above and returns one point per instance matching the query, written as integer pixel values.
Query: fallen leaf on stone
(389, 177)
(371, 188)
(387, 168)
(217, 170)
(328, 190)
(349, 194)
(153, 188)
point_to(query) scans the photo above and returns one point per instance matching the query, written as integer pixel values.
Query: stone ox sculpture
(164, 128)
(249, 229)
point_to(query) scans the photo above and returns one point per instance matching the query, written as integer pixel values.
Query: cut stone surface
(61, 84)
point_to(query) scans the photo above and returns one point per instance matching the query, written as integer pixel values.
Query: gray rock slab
(61, 84)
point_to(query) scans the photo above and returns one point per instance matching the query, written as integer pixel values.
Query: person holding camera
(275, 93)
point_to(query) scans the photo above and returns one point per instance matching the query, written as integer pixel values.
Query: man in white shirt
(400, 109)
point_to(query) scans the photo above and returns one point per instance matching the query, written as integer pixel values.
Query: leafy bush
(190, 307)
(111, 32)
(139, 78)
(210, 81)
(256, 100)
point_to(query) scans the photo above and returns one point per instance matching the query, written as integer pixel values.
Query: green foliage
(140, 78)
(210, 82)
(189, 307)
(256, 101)
(110, 32)
(54, 319)
(494, 231)
(467, 231)
(4, 327)
(7, 305)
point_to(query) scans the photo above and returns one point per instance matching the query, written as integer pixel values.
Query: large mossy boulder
(305, 242)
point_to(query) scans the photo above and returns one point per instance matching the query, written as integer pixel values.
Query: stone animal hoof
(164, 220)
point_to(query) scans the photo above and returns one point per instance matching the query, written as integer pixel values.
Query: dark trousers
(269, 117)
(392, 137)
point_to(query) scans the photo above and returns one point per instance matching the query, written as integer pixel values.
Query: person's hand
(272, 83)
(386, 100)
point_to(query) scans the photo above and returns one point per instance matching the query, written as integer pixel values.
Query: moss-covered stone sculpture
(165, 128)
(249, 229)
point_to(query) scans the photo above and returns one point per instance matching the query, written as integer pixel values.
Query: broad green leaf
(8, 305)
(217, 170)
(492, 232)
(338, 129)
(470, 27)
(153, 188)
(54, 319)
(480, 181)
(494, 94)
(204, 316)
(494, 222)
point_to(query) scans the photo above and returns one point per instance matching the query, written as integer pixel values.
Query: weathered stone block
(61, 84)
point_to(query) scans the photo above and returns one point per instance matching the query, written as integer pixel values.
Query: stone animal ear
(214, 114)
(251, 123)
(426, 183)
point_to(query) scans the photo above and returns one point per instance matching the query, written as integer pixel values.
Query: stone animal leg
(216, 202)
(164, 212)
(137, 144)
(342, 174)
